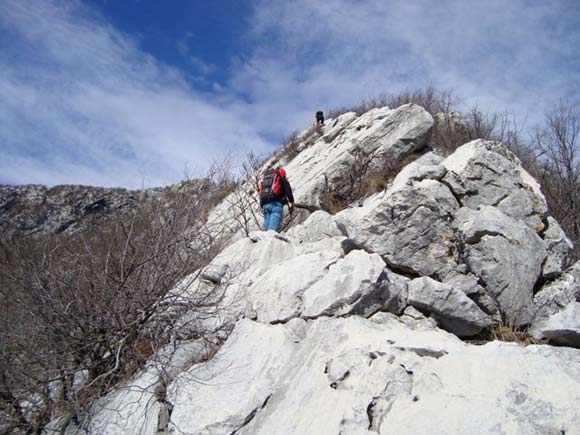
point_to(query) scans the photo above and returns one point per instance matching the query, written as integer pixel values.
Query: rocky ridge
(351, 323)
(37, 211)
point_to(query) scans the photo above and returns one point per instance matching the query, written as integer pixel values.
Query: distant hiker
(275, 191)
(319, 118)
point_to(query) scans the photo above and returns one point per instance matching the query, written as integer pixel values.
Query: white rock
(506, 256)
(562, 328)
(318, 226)
(452, 309)
(217, 397)
(337, 371)
(486, 173)
(559, 249)
(348, 280)
(497, 388)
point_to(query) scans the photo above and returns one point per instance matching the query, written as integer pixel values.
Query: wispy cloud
(516, 55)
(82, 104)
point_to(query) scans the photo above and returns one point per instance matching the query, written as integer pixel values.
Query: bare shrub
(370, 172)
(558, 144)
(84, 312)
(430, 99)
(290, 146)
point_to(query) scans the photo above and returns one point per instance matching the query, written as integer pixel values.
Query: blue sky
(138, 92)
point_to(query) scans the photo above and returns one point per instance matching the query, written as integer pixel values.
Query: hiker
(319, 118)
(275, 191)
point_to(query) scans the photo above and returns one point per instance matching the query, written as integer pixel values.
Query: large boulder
(559, 249)
(346, 285)
(505, 255)
(486, 173)
(410, 227)
(452, 308)
(220, 396)
(561, 328)
(277, 295)
(556, 295)
(319, 225)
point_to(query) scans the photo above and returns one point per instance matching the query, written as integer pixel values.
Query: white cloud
(82, 104)
(517, 55)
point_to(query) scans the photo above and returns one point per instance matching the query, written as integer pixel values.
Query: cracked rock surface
(350, 323)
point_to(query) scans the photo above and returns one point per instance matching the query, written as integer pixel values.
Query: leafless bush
(370, 172)
(430, 99)
(84, 312)
(290, 146)
(558, 144)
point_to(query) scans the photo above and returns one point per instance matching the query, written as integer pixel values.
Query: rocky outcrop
(556, 295)
(487, 173)
(562, 327)
(452, 308)
(506, 256)
(350, 323)
(326, 159)
(35, 211)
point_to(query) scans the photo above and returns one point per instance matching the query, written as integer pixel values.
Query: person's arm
(288, 191)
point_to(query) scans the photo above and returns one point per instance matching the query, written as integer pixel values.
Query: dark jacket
(286, 196)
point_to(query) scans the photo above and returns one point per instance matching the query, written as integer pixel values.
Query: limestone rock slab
(561, 328)
(410, 227)
(452, 309)
(485, 172)
(506, 256)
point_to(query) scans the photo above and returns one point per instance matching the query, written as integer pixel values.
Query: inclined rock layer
(349, 323)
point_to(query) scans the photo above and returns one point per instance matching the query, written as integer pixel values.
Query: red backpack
(271, 187)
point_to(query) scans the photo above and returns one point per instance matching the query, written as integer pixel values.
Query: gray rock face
(559, 248)
(487, 173)
(506, 256)
(319, 225)
(36, 211)
(459, 240)
(561, 328)
(39, 211)
(452, 309)
(554, 296)
(239, 387)
(345, 287)
(410, 228)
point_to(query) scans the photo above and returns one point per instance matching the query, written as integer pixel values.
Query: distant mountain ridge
(36, 210)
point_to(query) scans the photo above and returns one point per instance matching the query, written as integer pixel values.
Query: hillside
(385, 307)
(36, 211)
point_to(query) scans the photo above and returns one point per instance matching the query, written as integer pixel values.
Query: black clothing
(286, 196)
(319, 117)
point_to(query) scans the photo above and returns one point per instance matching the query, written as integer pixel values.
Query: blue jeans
(273, 212)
